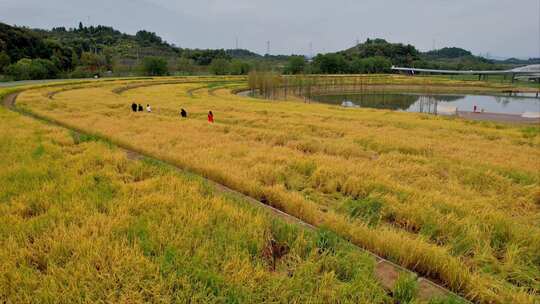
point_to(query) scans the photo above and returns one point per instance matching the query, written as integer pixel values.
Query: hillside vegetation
(86, 51)
(455, 200)
(378, 55)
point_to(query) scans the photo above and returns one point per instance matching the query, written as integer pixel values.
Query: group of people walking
(183, 113)
(139, 108)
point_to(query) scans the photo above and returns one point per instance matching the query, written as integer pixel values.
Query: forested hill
(397, 53)
(98, 39)
(66, 46)
(407, 55)
(87, 50)
(448, 53)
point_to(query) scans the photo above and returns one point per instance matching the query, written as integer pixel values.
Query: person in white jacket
(148, 108)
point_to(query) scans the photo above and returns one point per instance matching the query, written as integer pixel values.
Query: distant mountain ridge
(84, 51)
(407, 55)
(21, 42)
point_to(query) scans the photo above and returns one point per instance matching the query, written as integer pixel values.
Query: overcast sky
(499, 27)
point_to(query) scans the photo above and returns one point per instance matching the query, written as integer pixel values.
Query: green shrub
(81, 72)
(239, 67)
(4, 61)
(154, 66)
(220, 66)
(26, 69)
(296, 65)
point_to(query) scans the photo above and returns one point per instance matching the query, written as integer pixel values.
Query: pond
(437, 103)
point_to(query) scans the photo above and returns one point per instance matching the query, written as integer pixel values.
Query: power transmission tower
(237, 43)
(268, 47)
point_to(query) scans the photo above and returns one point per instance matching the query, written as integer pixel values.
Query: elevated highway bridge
(529, 72)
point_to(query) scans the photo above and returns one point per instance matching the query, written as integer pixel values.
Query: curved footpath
(386, 271)
(19, 83)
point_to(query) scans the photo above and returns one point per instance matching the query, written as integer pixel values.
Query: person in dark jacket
(183, 113)
(140, 108)
(134, 107)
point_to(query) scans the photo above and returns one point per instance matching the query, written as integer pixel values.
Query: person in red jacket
(210, 117)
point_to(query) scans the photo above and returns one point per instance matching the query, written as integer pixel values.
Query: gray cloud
(498, 27)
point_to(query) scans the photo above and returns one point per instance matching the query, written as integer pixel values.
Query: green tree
(146, 38)
(185, 65)
(220, 66)
(4, 61)
(398, 53)
(239, 67)
(358, 66)
(154, 66)
(74, 59)
(32, 69)
(108, 55)
(295, 65)
(381, 64)
(93, 62)
(331, 63)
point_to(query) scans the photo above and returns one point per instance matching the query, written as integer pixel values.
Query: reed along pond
(435, 103)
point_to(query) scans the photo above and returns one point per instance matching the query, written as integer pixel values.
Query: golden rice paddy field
(457, 201)
(82, 223)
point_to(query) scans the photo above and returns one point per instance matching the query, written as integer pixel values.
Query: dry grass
(456, 200)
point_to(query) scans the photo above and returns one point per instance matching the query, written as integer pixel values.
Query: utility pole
(237, 42)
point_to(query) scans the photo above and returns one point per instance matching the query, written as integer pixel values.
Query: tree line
(86, 51)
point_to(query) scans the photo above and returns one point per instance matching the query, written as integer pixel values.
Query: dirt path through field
(9, 101)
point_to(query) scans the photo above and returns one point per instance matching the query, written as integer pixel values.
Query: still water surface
(412, 102)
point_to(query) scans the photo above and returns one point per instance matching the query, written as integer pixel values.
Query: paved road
(499, 117)
(28, 82)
